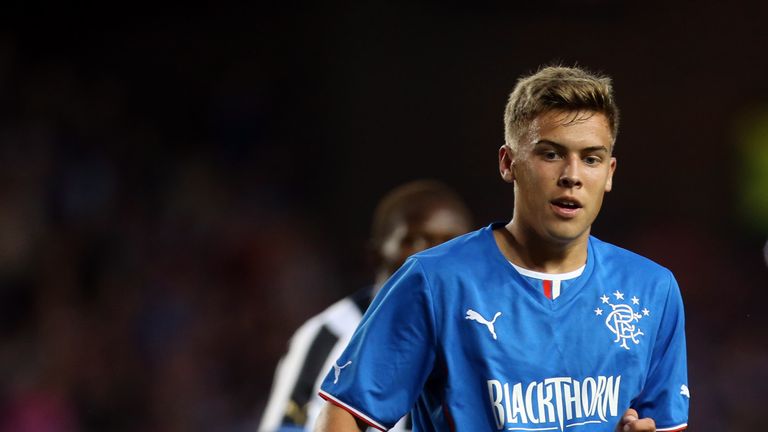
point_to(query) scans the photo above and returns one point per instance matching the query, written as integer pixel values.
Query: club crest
(621, 318)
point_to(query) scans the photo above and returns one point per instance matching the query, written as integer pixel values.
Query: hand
(631, 422)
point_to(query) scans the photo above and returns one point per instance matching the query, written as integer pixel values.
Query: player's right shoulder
(455, 250)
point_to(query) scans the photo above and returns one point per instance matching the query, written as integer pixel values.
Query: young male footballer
(531, 325)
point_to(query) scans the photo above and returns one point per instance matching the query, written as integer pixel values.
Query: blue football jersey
(467, 342)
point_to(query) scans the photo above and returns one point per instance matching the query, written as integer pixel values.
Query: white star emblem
(621, 318)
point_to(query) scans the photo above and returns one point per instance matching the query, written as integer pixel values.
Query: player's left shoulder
(618, 260)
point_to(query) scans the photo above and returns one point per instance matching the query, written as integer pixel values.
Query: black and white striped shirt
(294, 403)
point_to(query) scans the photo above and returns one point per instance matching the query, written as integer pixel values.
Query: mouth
(566, 207)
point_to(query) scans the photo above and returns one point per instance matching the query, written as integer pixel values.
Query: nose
(570, 176)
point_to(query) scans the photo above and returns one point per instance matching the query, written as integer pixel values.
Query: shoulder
(459, 249)
(454, 268)
(614, 258)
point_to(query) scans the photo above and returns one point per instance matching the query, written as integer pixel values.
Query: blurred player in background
(765, 253)
(531, 324)
(409, 219)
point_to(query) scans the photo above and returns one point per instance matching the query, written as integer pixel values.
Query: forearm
(335, 419)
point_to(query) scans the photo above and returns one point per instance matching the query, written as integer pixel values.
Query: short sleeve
(383, 369)
(665, 396)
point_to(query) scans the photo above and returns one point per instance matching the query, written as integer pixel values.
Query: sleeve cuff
(677, 428)
(371, 422)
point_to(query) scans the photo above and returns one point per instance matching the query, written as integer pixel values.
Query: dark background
(180, 191)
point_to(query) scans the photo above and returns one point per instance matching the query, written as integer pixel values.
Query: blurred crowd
(137, 272)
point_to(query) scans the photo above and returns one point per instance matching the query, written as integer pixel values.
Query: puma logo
(337, 370)
(684, 391)
(474, 316)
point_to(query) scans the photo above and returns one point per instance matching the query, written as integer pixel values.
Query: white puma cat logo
(684, 391)
(337, 370)
(474, 316)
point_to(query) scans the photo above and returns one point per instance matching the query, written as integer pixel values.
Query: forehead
(571, 129)
(444, 219)
(435, 218)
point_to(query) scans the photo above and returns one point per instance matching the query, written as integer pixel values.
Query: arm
(665, 396)
(383, 369)
(335, 419)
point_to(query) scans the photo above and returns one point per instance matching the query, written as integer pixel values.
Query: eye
(551, 155)
(592, 160)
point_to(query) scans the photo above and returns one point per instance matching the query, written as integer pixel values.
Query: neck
(527, 249)
(381, 277)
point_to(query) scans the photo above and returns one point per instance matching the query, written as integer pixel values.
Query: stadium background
(180, 192)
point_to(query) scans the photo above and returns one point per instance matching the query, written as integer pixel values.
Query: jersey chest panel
(534, 363)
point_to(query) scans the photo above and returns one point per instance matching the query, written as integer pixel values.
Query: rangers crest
(622, 318)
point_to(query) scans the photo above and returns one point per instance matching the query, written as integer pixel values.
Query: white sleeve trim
(354, 411)
(673, 428)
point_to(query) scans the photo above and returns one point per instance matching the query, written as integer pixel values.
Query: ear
(506, 164)
(611, 169)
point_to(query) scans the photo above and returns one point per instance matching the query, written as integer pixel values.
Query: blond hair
(558, 88)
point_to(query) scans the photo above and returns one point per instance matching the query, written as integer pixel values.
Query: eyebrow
(562, 147)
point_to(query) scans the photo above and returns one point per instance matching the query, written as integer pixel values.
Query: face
(413, 234)
(561, 170)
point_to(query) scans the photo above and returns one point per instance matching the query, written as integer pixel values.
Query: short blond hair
(558, 88)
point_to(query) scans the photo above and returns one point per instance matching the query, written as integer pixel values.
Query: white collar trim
(550, 276)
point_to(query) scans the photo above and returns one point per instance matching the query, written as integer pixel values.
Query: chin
(567, 230)
(567, 236)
